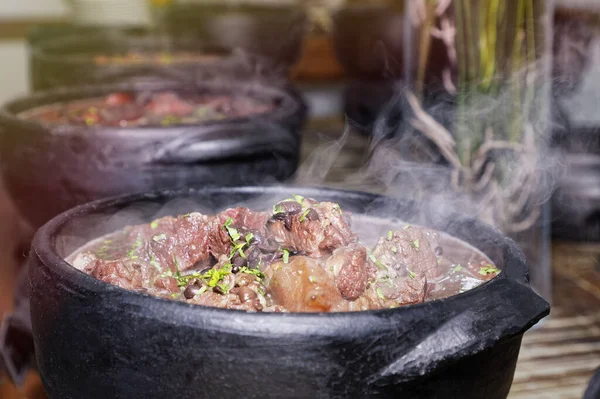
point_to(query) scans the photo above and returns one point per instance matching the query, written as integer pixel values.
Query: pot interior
(371, 218)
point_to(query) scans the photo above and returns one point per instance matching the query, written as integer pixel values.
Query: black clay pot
(276, 32)
(94, 340)
(48, 170)
(72, 60)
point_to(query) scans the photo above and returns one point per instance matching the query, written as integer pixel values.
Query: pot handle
(226, 142)
(17, 354)
(505, 313)
(593, 389)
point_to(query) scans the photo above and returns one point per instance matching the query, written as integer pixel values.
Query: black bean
(311, 215)
(438, 251)
(238, 261)
(191, 291)
(253, 256)
(246, 294)
(219, 290)
(289, 207)
(235, 269)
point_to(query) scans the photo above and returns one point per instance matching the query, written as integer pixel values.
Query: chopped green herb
(412, 274)
(390, 235)
(241, 252)
(277, 208)
(395, 249)
(457, 268)
(299, 199)
(249, 237)
(224, 287)
(254, 272)
(175, 262)
(154, 224)
(380, 293)
(260, 291)
(489, 269)
(233, 233)
(174, 295)
(169, 120)
(136, 245)
(202, 290)
(311, 279)
(159, 237)
(214, 276)
(374, 260)
(154, 262)
(415, 244)
(286, 256)
(304, 215)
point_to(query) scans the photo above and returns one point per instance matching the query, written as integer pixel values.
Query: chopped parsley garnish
(299, 199)
(260, 291)
(415, 244)
(412, 274)
(154, 224)
(390, 235)
(311, 279)
(254, 272)
(380, 293)
(457, 268)
(136, 245)
(174, 295)
(202, 290)
(489, 269)
(375, 260)
(304, 215)
(154, 262)
(277, 208)
(249, 238)
(233, 233)
(286, 256)
(338, 208)
(224, 287)
(159, 237)
(394, 249)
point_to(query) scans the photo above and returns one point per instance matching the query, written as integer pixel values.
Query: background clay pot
(273, 32)
(50, 169)
(92, 338)
(71, 60)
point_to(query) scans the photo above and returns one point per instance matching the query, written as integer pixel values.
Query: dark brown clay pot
(273, 32)
(50, 169)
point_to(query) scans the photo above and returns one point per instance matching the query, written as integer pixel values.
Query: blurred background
(489, 107)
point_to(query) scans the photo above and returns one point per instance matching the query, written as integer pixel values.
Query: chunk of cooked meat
(349, 266)
(303, 286)
(316, 229)
(407, 251)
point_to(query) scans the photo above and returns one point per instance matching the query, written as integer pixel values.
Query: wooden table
(556, 360)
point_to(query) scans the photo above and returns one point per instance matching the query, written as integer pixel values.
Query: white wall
(14, 74)
(32, 8)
